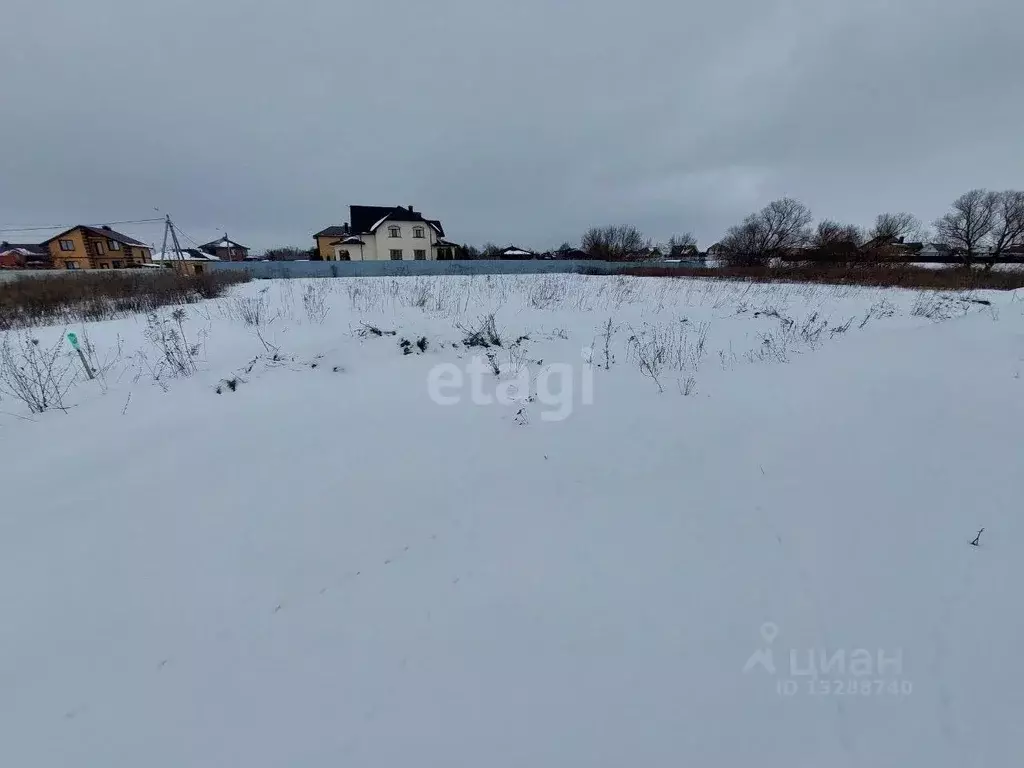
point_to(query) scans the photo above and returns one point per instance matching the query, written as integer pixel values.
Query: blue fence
(291, 269)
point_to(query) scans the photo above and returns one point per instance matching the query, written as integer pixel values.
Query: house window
(67, 245)
(104, 265)
(99, 247)
(394, 232)
(418, 232)
(396, 254)
(420, 255)
(70, 265)
(117, 265)
(113, 245)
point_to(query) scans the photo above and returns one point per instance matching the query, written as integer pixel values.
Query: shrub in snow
(485, 335)
(252, 310)
(940, 306)
(371, 330)
(38, 376)
(408, 346)
(175, 353)
(229, 384)
(314, 299)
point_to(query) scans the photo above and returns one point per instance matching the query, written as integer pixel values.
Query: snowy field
(661, 523)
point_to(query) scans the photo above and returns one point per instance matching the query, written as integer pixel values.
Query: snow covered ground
(664, 523)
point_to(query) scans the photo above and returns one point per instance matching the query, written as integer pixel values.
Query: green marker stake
(73, 341)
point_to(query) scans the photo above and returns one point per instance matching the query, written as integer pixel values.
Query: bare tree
(968, 225)
(490, 251)
(288, 253)
(834, 241)
(776, 230)
(614, 243)
(896, 226)
(1008, 227)
(681, 245)
(831, 233)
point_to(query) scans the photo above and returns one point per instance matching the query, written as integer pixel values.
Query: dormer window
(394, 231)
(418, 232)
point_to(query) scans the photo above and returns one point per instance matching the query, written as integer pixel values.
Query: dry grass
(104, 296)
(875, 275)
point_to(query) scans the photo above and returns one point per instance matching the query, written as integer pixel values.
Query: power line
(9, 228)
(188, 237)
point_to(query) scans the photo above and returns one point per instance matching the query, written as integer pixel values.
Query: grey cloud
(525, 121)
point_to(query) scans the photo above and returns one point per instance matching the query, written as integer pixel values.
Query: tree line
(981, 227)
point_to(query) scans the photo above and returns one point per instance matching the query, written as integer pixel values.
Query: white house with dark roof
(379, 233)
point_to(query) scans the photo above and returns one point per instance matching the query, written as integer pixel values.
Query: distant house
(380, 233)
(189, 261)
(515, 252)
(85, 247)
(718, 250)
(569, 253)
(889, 248)
(683, 252)
(938, 252)
(225, 249)
(23, 256)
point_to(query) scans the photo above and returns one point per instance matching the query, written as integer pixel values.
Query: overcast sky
(519, 121)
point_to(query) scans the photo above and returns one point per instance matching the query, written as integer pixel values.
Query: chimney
(106, 228)
(411, 210)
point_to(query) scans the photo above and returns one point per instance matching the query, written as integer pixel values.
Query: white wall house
(377, 233)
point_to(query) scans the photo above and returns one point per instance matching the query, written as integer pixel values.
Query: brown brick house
(225, 249)
(23, 256)
(85, 247)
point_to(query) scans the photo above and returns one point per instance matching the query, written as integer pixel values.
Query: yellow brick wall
(59, 258)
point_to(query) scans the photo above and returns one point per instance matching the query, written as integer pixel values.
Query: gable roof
(515, 252)
(103, 231)
(224, 242)
(570, 253)
(25, 249)
(365, 219)
(334, 231)
(187, 254)
(683, 250)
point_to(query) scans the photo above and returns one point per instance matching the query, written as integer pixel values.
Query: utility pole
(179, 257)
